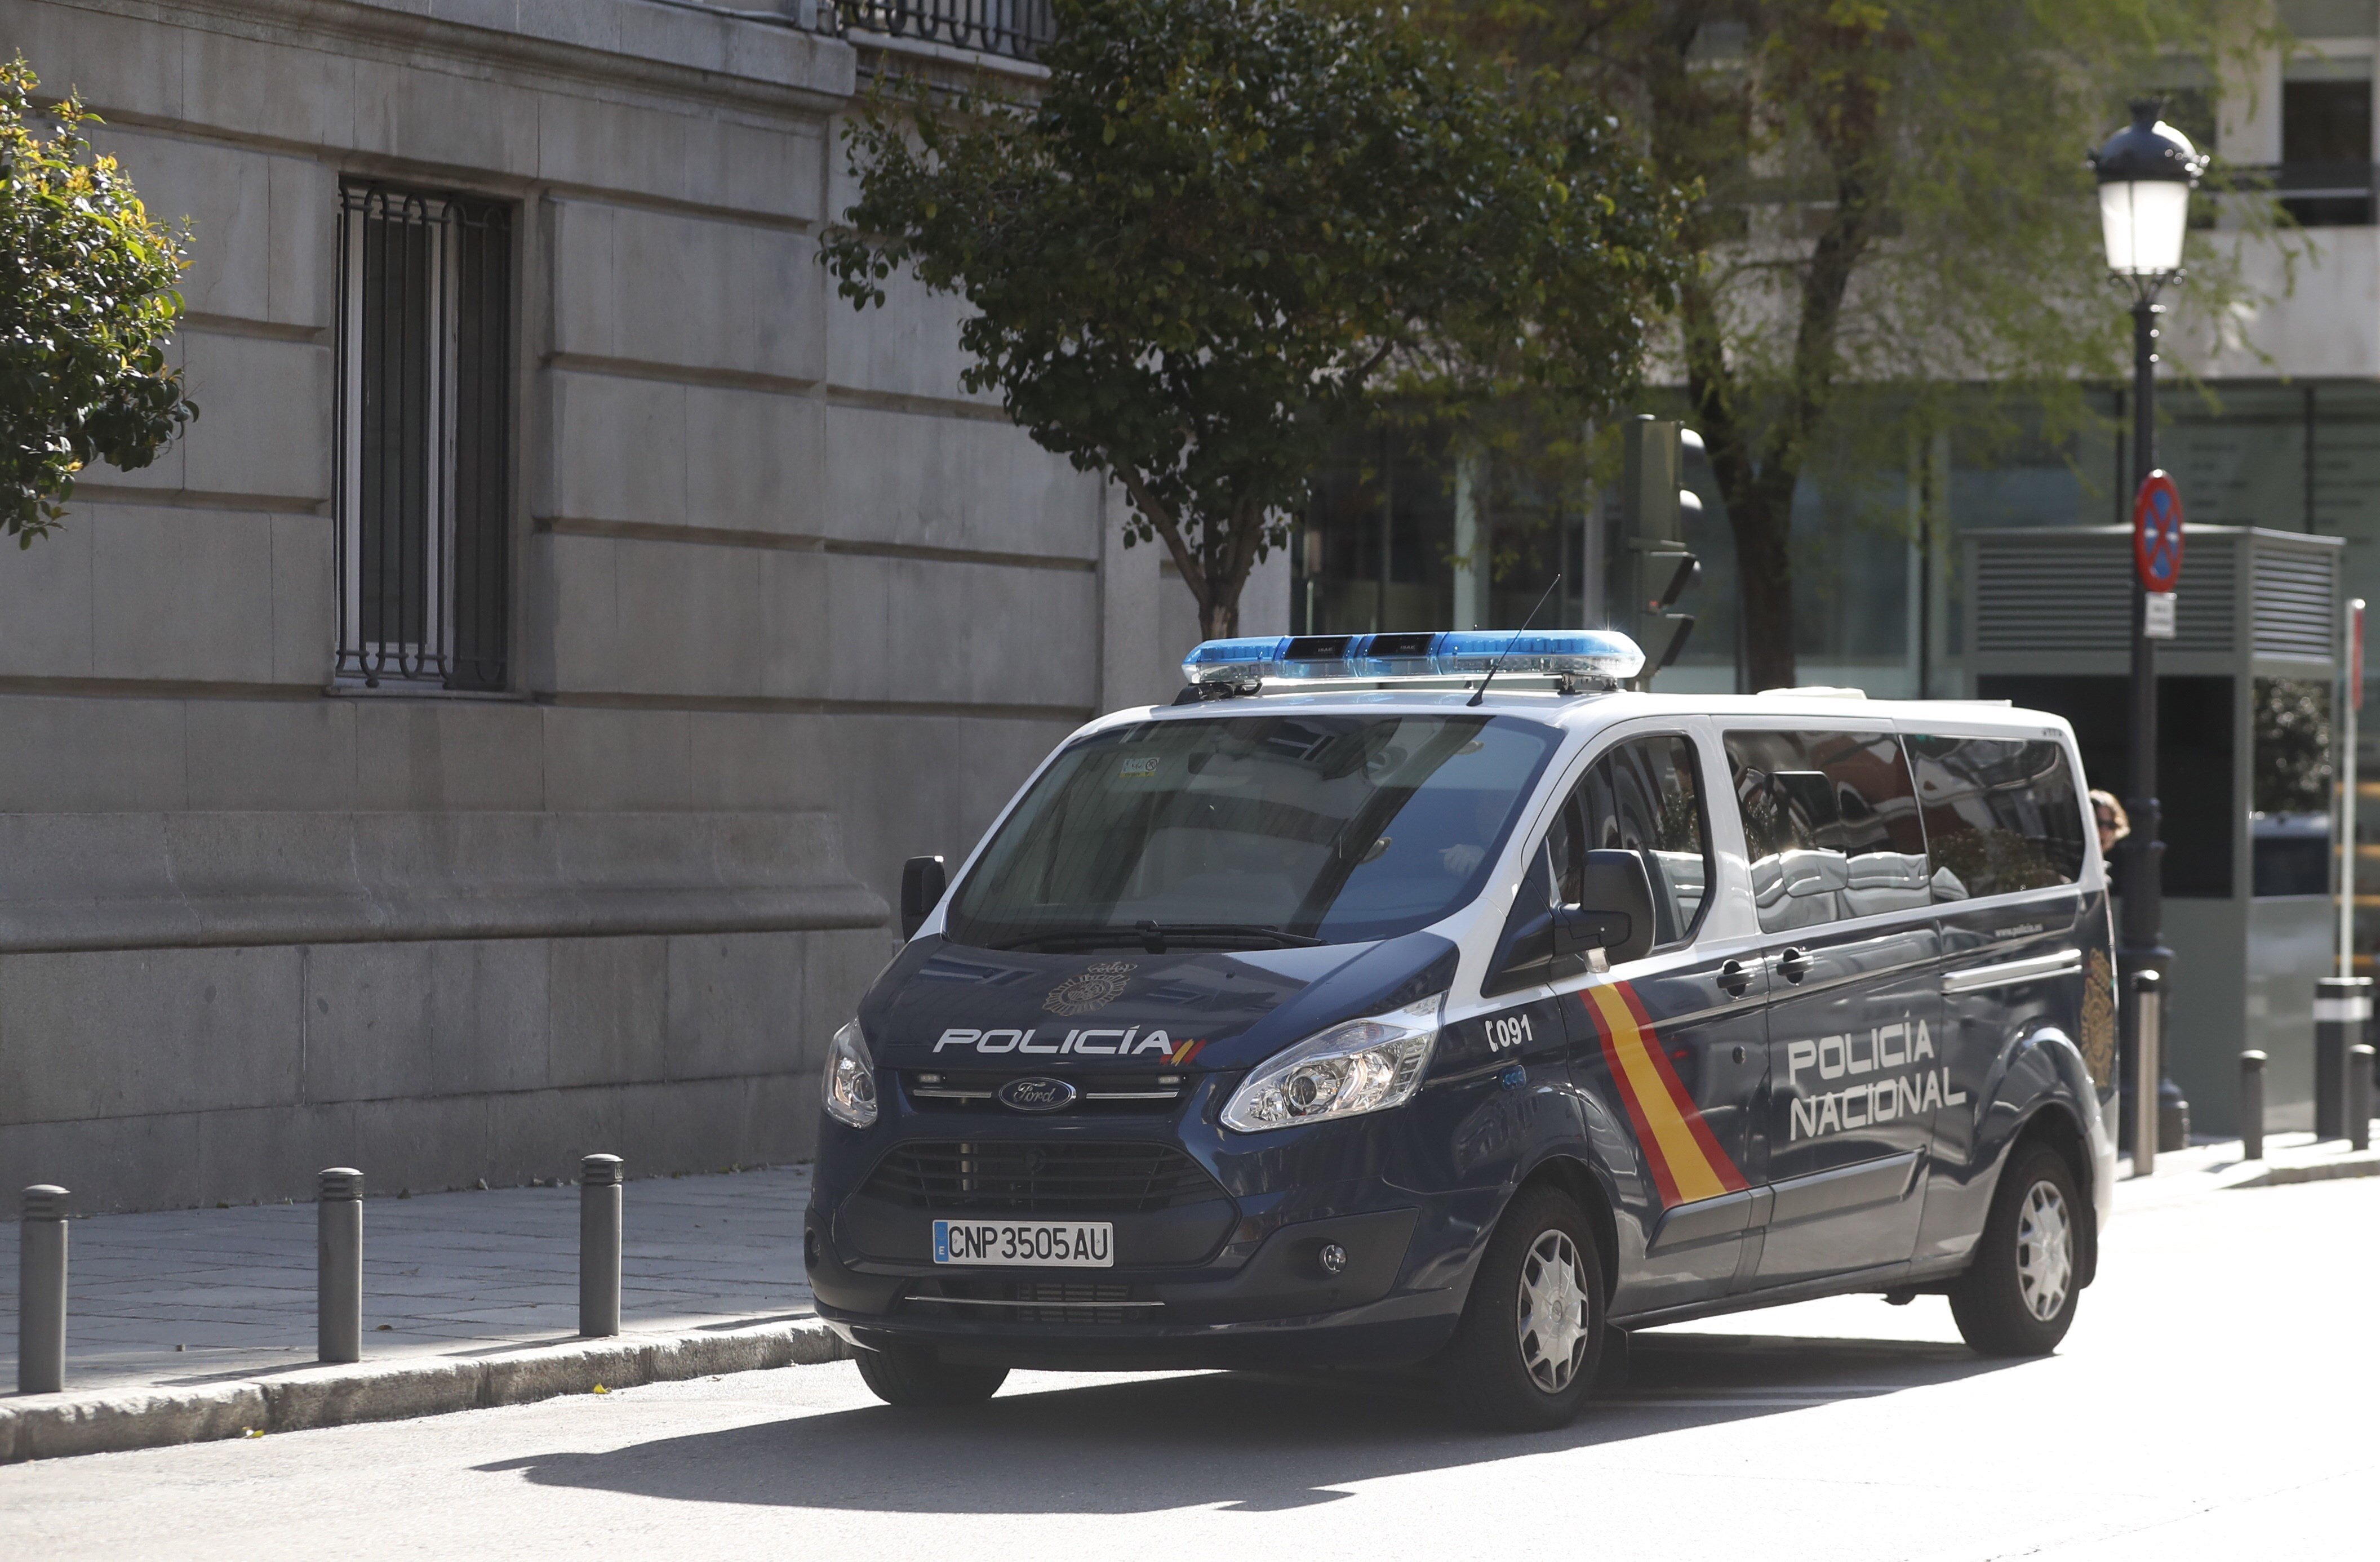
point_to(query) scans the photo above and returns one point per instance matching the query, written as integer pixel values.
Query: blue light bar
(1277, 658)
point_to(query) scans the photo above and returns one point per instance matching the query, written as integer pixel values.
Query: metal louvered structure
(2257, 626)
(2039, 598)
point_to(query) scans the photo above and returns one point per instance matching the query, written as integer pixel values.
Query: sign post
(2156, 573)
(2351, 687)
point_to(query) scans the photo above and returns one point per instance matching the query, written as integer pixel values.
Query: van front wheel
(912, 1375)
(2017, 1297)
(1532, 1331)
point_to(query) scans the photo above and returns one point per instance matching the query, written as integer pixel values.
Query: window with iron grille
(424, 423)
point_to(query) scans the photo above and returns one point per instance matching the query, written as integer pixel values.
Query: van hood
(1124, 1008)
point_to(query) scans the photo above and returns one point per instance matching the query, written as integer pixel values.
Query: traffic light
(1659, 567)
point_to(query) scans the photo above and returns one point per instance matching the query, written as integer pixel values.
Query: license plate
(1039, 1244)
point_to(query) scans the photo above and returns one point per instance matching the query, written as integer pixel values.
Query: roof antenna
(1498, 665)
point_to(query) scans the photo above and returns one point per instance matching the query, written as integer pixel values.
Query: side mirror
(1615, 909)
(923, 880)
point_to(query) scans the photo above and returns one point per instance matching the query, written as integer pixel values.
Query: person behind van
(2114, 824)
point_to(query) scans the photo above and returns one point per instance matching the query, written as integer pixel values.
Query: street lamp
(2146, 170)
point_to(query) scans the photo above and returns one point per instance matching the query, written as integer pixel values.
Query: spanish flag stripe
(1722, 1165)
(1654, 1159)
(1686, 1161)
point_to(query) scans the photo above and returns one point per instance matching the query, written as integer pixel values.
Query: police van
(1405, 998)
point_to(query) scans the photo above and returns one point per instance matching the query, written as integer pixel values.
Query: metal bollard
(600, 1195)
(2341, 1005)
(339, 1266)
(2358, 1096)
(2252, 1106)
(41, 1291)
(2148, 1007)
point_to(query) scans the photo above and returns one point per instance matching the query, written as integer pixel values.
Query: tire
(2017, 1298)
(1530, 1335)
(914, 1378)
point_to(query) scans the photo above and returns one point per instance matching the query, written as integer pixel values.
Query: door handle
(1794, 964)
(1734, 977)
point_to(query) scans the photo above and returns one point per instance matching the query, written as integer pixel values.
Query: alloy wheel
(2045, 1250)
(1552, 1311)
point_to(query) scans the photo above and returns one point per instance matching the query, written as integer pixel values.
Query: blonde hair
(2107, 800)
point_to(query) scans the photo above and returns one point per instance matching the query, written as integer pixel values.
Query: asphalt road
(2215, 1399)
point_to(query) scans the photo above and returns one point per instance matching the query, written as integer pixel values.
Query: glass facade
(1879, 602)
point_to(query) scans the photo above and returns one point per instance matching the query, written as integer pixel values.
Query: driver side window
(1644, 795)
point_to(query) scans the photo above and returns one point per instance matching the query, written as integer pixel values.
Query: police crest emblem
(1095, 987)
(2098, 1036)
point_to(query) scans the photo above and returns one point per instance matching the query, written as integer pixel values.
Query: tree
(87, 304)
(1221, 227)
(1891, 205)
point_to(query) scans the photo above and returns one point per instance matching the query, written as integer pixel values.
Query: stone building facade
(493, 733)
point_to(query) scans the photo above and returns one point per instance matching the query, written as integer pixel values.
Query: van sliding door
(1838, 875)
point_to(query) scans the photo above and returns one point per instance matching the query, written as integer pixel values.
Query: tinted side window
(2002, 815)
(1644, 796)
(1831, 820)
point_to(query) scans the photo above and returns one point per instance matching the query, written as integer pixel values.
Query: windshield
(1253, 831)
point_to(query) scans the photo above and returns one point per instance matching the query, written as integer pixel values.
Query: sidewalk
(2215, 1165)
(200, 1324)
(205, 1316)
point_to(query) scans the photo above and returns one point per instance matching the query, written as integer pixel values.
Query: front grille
(1105, 1094)
(1031, 1301)
(1040, 1179)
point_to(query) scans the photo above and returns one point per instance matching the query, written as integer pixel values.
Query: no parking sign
(2157, 533)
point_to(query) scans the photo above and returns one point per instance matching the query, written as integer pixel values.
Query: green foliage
(1223, 227)
(1892, 228)
(2291, 720)
(87, 303)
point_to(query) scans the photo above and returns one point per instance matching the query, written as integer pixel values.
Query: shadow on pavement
(1248, 1442)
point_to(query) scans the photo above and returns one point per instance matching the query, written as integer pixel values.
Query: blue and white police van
(1435, 998)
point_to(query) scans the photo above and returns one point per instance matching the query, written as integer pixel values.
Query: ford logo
(1036, 1095)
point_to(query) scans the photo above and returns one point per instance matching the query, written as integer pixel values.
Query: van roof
(1587, 712)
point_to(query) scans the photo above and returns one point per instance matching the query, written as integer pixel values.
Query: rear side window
(1830, 821)
(2001, 814)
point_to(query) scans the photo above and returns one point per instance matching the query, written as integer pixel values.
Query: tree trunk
(1220, 619)
(1758, 496)
(1215, 571)
(1764, 551)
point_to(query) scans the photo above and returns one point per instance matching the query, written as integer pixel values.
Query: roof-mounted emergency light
(1600, 654)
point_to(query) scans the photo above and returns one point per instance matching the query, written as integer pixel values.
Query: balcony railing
(1015, 28)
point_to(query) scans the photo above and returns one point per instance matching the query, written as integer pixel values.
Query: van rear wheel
(2017, 1297)
(1532, 1332)
(912, 1376)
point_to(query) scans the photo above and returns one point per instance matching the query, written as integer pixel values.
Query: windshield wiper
(1155, 938)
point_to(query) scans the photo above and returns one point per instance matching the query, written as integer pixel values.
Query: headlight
(1361, 1066)
(850, 1085)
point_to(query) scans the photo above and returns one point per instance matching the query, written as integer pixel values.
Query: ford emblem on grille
(1036, 1095)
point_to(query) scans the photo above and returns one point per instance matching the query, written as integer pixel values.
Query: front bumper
(1278, 1308)
(1231, 1276)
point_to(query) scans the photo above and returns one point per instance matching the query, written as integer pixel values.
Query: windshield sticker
(1140, 766)
(1093, 989)
(1686, 1159)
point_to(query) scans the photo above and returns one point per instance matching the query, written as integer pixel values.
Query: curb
(2253, 1174)
(57, 1426)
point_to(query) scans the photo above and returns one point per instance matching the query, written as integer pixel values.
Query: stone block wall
(789, 605)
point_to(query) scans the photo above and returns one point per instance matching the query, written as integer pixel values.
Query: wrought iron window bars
(424, 435)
